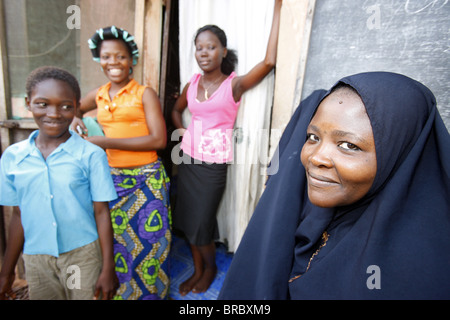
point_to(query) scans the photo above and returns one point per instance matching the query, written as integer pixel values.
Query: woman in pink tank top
(213, 99)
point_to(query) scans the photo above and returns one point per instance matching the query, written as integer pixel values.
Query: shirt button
(106, 107)
(51, 196)
(54, 224)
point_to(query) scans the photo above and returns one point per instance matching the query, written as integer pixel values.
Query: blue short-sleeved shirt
(55, 195)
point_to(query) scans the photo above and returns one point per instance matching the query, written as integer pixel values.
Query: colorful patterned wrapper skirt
(141, 219)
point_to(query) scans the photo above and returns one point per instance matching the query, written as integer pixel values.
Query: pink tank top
(209, 136)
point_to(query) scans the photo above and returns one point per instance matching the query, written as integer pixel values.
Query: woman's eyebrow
(313, 127)
(341, 133)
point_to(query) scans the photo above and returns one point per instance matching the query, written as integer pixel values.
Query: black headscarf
(392, 244)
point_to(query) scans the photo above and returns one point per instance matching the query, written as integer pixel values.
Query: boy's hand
(6, 292)
(15, 244)
(106, 286)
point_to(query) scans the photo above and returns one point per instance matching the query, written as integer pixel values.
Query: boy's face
(53, 104)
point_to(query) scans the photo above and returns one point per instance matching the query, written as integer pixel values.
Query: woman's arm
(13, 250)
(178, 109)
(157, 138)
(243, 83)
(87, 104)
(107, 282)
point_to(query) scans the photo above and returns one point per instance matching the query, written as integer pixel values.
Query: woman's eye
(312, 137)
(348, 146)
(66, 107)
(41, 104)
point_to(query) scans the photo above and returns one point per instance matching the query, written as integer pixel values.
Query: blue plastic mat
(181, 268)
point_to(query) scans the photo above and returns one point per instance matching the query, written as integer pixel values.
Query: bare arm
(155, 140)
(243, 83)
(14, 248)
(87, 104)
(179, 107)
(107, 282)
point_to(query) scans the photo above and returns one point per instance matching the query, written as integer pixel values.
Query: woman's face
(209, 51)
(339, 154)
(115, 60)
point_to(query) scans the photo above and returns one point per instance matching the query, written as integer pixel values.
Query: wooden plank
(5, 114)
(165, 53)
(28, 124)
(5, 99)
(139, 28)
(304, 53)
(295, 29)
(151, 52)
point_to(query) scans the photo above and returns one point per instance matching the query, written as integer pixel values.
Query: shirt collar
(72, 146)
(129, 88)
(27, 148)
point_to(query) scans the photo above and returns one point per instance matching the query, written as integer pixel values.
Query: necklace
(206, 89)
(325, 237)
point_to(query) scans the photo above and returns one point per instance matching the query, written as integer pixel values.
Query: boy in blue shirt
(59, 185)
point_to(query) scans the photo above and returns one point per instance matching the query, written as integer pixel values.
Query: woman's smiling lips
(320, 181)
(115, 71)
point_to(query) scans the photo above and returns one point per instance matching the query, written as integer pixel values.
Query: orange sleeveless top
(124, 117)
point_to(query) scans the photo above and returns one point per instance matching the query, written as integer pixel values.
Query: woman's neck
(212, 75)
(116, 86)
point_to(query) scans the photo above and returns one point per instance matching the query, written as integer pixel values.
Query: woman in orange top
(131, 117)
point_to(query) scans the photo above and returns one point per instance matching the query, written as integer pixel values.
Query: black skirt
(200, 189)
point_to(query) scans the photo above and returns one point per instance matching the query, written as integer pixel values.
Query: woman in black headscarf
(360, 206)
